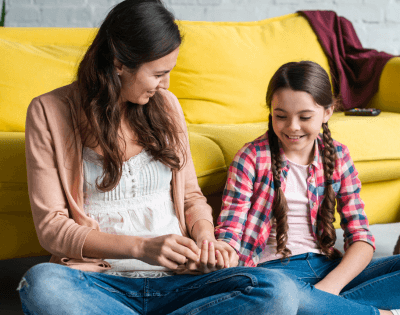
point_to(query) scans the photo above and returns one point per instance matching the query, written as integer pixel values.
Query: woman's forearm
(104, 245)
(354, 261)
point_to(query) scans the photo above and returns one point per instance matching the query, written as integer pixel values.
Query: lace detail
(107, 206)
(130, 166)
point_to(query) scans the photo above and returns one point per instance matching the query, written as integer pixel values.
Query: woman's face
(139, 86)
(297, 120)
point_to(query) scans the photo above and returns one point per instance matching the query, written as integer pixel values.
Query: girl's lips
(294, 138)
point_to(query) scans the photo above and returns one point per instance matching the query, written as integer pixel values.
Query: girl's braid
(326, 215)
(279, 205)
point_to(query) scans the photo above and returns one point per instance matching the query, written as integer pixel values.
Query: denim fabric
(55, 289)
(376, 287)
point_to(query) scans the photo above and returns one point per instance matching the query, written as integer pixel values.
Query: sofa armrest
(388, 96)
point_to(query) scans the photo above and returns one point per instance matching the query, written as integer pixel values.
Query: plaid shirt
(245, 219)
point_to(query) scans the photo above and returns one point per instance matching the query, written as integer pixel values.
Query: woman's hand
(169, 251)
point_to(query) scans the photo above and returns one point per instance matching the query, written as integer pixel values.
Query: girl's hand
(214, 255)
(169, 251)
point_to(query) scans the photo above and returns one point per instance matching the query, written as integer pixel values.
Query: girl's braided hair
(308, 77)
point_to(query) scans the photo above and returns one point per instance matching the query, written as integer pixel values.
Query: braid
(279, 205)
(326, 215)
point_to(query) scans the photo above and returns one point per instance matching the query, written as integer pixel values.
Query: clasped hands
(182, 255)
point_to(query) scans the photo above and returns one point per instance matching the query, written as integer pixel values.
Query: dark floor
(11, 272)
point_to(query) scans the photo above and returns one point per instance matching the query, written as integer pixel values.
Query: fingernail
(205, 242)
(211, 244)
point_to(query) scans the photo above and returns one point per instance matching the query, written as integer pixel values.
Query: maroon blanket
(355, 70)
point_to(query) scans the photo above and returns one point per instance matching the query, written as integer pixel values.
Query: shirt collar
(317, 161)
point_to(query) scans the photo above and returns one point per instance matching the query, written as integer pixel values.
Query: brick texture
(377, 22)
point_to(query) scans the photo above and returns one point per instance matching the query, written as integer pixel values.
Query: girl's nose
(294, 125)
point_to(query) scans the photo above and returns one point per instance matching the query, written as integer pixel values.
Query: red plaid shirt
(245, 219)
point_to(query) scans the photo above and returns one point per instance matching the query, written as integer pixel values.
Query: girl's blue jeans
(377, 287)
(55, 289)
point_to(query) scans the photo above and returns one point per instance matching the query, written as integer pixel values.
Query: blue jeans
(376, 287)
(55, 289)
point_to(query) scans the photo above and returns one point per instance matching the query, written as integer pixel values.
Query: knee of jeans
(279, 285)
(43, 278)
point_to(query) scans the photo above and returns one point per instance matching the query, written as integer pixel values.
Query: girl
(280, 197)
(114, 193)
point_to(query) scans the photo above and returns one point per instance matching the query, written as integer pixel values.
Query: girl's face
(297, 120)
(139, 86)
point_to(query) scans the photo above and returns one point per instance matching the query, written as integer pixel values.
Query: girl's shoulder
(340, 148)
(255, 152)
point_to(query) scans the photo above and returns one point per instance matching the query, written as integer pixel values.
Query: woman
(114, 194)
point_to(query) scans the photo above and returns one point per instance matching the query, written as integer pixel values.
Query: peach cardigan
(55, 179)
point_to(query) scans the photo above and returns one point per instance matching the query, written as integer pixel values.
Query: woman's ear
(328, 113)
(118, 66)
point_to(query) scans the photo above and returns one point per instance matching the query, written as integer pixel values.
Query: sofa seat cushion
(369, 140)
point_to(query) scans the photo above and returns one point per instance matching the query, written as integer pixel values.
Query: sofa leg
(396, 250)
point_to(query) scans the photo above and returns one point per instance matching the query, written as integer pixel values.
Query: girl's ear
(328, 113)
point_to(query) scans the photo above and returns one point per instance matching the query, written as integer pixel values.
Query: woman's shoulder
(57, 99)
(53, 108)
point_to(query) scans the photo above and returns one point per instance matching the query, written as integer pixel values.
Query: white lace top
(141, 205)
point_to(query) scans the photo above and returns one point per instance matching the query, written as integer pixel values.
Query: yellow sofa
(221, 77)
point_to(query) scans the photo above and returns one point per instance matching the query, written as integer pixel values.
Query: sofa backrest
(222, 72)
(224, 68)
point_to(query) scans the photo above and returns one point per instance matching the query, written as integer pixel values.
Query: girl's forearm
(354, 261)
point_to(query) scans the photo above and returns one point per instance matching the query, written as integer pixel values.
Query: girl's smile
(297, 121)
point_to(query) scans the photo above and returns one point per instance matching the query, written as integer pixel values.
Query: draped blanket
(355, 70)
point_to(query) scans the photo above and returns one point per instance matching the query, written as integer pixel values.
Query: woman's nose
(164, 83)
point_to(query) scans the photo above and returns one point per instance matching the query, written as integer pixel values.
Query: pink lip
(294, 140)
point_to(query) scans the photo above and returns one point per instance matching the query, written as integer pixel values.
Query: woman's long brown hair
(134, 32)
(308, 77)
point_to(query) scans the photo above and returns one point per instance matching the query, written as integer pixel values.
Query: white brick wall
(377, 22)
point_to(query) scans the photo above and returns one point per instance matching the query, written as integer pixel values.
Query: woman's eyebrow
(164, 71)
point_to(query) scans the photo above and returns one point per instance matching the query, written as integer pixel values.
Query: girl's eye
(280, 117)
(159, 75)
(305, 118)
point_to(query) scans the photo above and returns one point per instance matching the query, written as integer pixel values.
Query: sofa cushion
(35, 61)
(224, 68)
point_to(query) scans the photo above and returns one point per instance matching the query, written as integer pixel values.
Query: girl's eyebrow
(300, 112)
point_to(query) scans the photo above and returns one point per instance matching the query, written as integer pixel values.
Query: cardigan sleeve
(194, 203)
(57, 232)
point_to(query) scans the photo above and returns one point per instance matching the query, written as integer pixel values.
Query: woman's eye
(280, 117)
(305, 118)
(159, 75)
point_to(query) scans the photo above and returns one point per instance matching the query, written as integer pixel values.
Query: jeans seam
(253, 279)
(316, 275)
(367, 284)
(213, 303)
